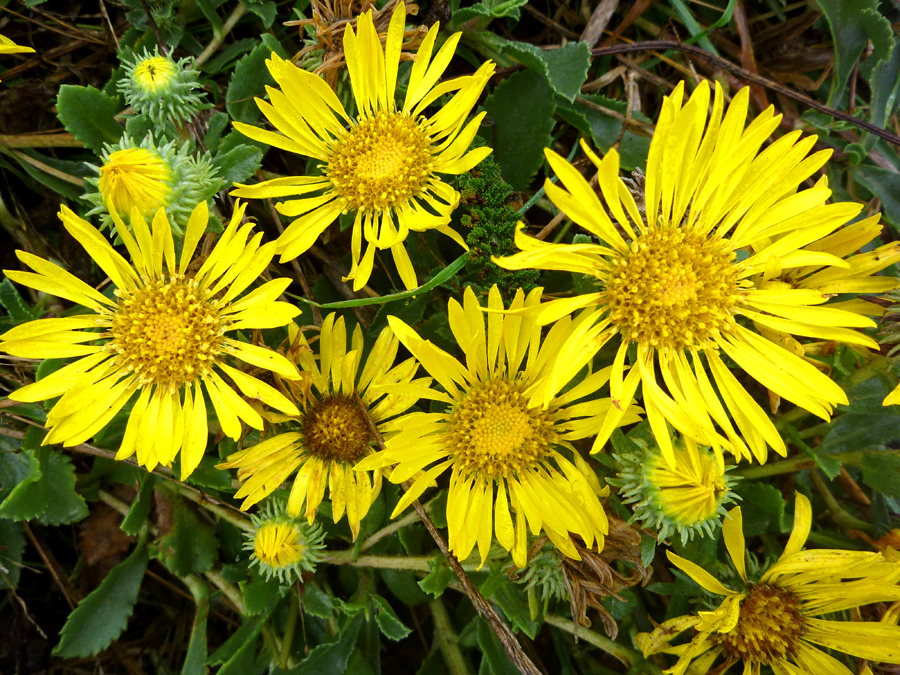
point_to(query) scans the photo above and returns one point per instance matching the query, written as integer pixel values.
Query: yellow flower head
(687, 498)
(161, 335)
(282, 546)
(497, 433)
(385, 164)
(332, 430)
(775, 621)
(135, 178)
(694, 276)
(154, 73)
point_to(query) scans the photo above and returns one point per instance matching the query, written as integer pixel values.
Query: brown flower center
(769, 627)
(335, 429)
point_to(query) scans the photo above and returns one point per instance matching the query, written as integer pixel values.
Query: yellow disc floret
(335, 429)
(135, 178)
(769, 627)
(673, 289)
(167, 332)
(382, 161)
(155, 73)
(495, 433)
(278, 545)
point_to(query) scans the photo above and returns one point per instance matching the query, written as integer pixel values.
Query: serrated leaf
(239, 164)
(46, 490)
(403, 586)
(881, 473)
(438, 578)
(331, 657)
(102, 616)
(884, 82)
(522, 107)
(12, 546)
(853, 23)
(260, 593)
(191, 546)
(249, 79)
(387, 620)
(208, 477)
(762, 507)
(488, 9)
(511, 600)
(214, 130)
(89, 115)
(12, 302)
(565, 69)
(317, 602)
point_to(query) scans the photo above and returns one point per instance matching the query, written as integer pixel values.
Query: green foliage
(102, 616)
(89, 115)
(12, 546)
(42, 487)
(191, 546)
(250, 79)
(387, 619)
(522, 107)
(13, 303)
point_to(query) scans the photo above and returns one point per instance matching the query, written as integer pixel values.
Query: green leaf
(317, 602)
(884, 184)
(488, 9)
(46, 491)
(438, 578)
(19, 471)
(881, 473)
(522, 107)
(191, 546)
(697, 33)
(403, 586)
(565, 69)
(194, 661)
(140, 508)
(67, 188)
(102, 616)
(884, 81)
(239, 164)
(511, 600)
(214, 130)
(89, 115)
(260, 593)
(265, 10)
(387, 620)
(208, 477)
(208, 7)
(853, 23)
(249, 79)
(243, 636)
(866, 423)
(12, 546)
(331, 657)
(762, 507)
(12, 302)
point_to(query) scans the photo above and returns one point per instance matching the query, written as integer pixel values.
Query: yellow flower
(687, 498)
(775, 621)
(7, 46)
(162, 336)
(684, 284)
(135, 178)
(283, 547)
(496, 433)
(385, 164)
(154, 73)
(330, 432)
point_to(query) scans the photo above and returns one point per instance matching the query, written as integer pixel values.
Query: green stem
(217, 40)
(398, 524)
(627, 656)
(792, 464)
(838, 514)
(289, 627)
(393, 562)
(237, 519)
(447, 639)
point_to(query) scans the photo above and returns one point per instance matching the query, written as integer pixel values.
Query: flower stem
(289, 627)
(392, 562)
(838, 514)
(627, 656)
(447, 639)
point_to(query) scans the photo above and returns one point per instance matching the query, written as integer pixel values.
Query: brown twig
(507, 638)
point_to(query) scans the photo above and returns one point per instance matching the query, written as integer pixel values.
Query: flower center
(769, 627)
(135, 177)
(494, 432)
(154, 73)
(381, 162)
(166, 332)
(673, 289)
(335, 429)
(278, 545)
